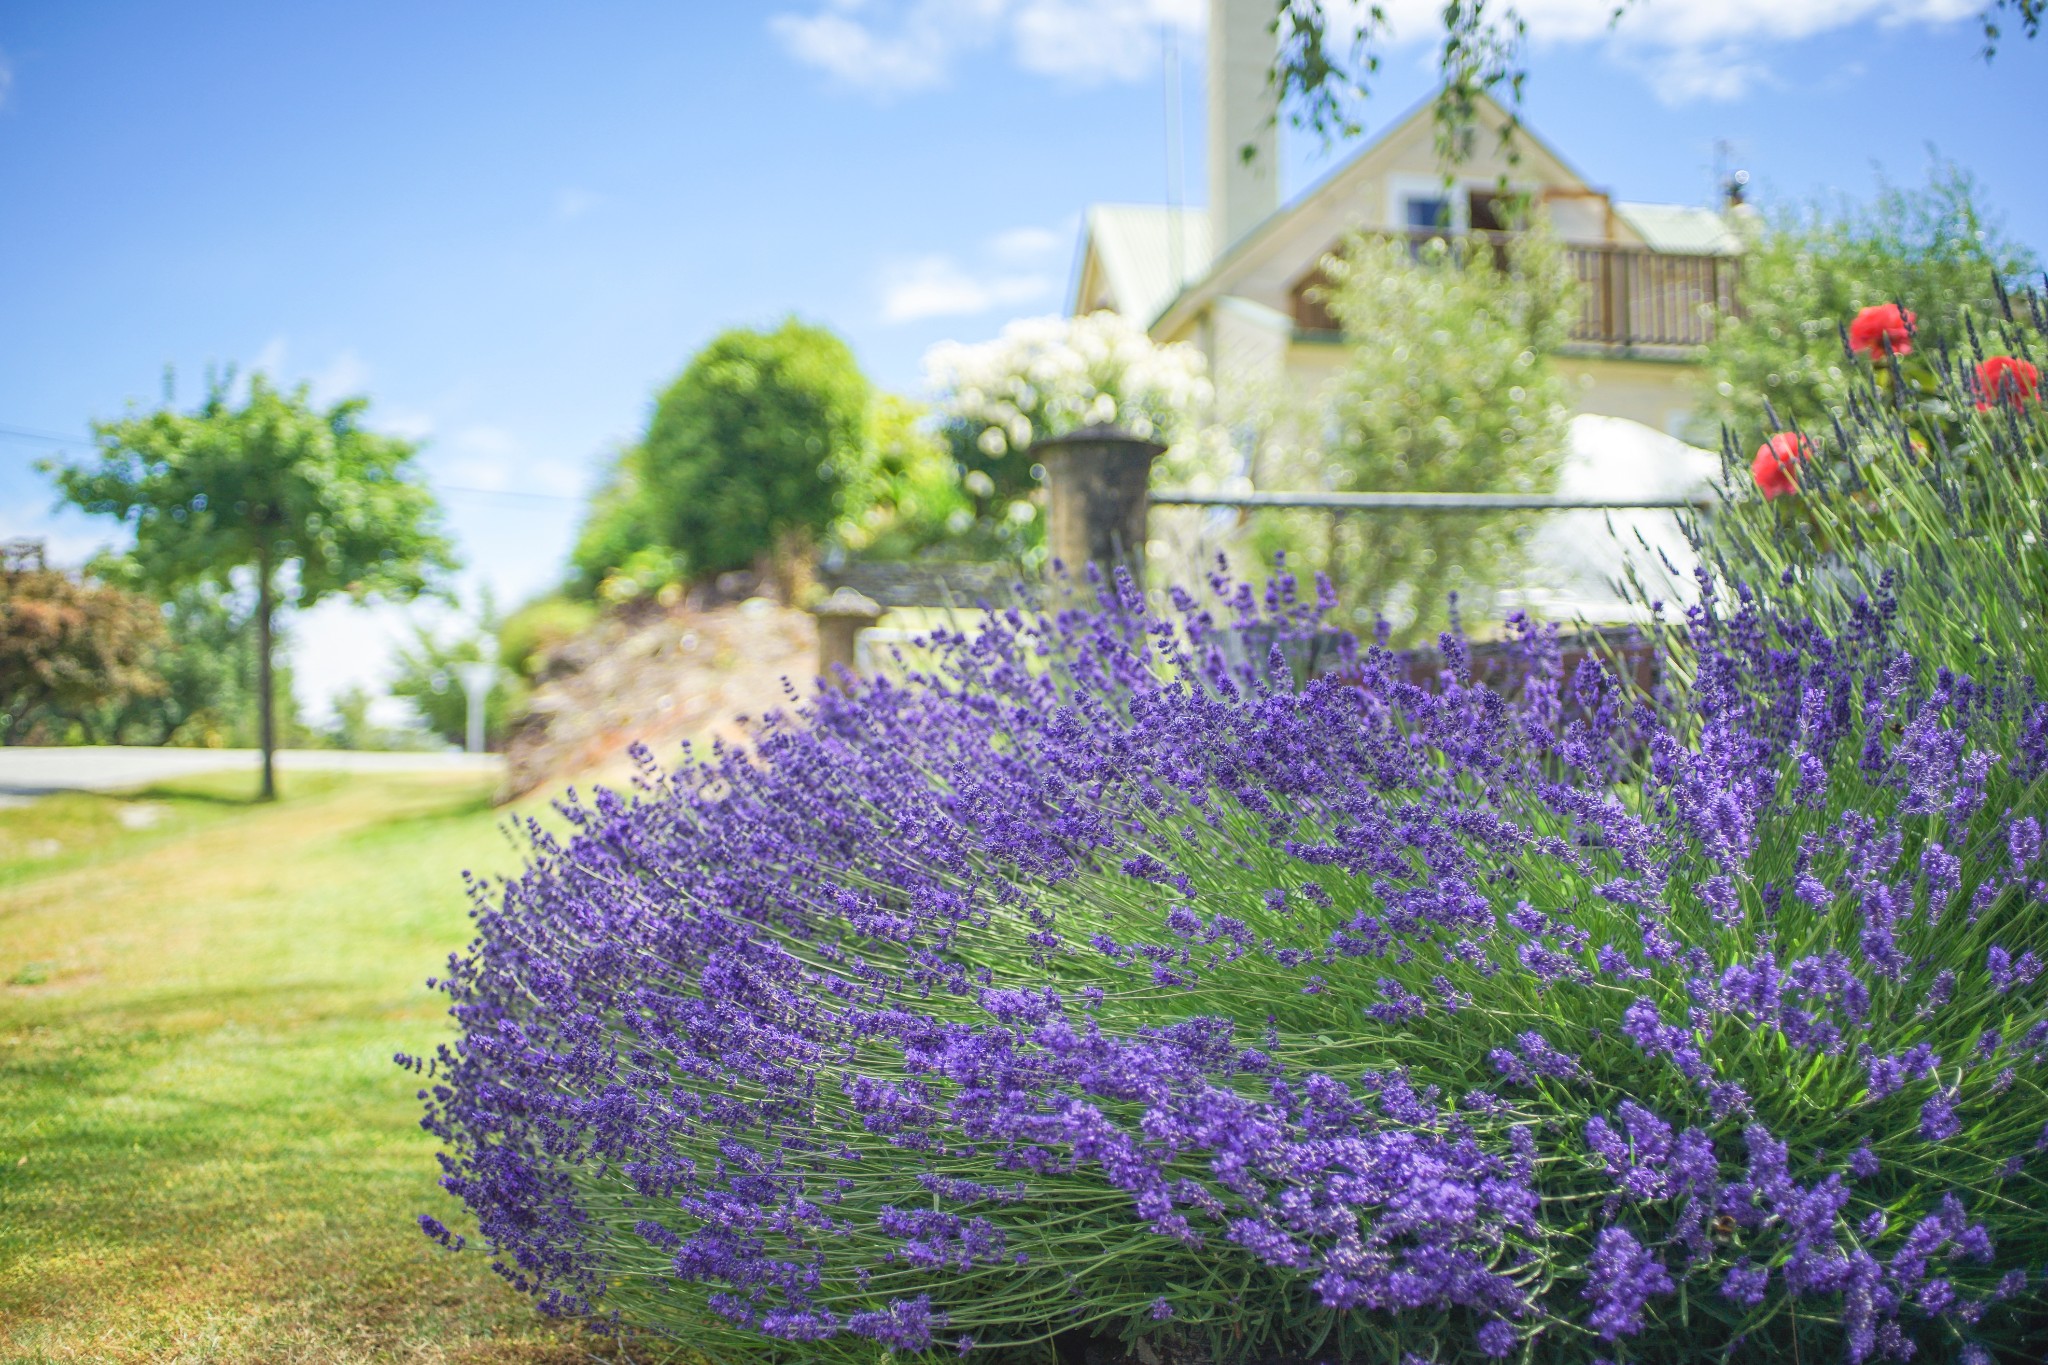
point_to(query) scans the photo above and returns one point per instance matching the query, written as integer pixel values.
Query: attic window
(1428, 214)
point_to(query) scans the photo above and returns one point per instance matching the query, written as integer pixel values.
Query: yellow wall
(1661, 394)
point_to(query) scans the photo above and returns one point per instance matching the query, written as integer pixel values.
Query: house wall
(1661, 394)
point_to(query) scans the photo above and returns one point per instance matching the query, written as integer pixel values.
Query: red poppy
(1776, 462)
(2007, 379)
(1882, 324)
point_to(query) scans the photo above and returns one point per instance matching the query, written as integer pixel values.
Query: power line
(54, 438)
(49, 437)
(507, 493)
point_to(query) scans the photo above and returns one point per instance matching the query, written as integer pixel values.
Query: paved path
(37, 771)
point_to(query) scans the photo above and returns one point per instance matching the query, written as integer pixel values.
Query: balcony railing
(1629, 297)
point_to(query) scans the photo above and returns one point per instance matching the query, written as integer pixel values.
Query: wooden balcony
(1630, 298)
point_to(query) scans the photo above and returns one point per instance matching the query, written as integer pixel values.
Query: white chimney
(1242, 194)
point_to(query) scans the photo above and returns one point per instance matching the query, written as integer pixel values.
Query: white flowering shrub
(1049, 376)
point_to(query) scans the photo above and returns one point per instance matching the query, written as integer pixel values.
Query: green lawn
(206, 1153)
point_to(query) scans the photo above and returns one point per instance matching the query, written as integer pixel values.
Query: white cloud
(270, 360)
(345, 376)
(1095, 41)
(1687, 50)
(894, 49)
(1683, 75)
(1683, 49)
(481, 456)
(572, 203)
(939, 287)
(1031, 245)
(494, 460)
(404, 423)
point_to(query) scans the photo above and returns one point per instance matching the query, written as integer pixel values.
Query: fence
(1098, 503)
(1629, 296)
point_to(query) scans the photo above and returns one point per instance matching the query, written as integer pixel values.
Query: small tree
(71, 650)
(1809, 270)
(750, 450)
(306, 501)
(906, 496)
(429, 675)
(1448, 388)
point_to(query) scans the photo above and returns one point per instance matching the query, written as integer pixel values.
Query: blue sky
(509, 224)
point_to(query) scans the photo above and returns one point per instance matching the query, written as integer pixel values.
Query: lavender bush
(1930, 482)
(1080, 984)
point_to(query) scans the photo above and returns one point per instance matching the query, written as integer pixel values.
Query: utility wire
(48, 437)
(54, 438)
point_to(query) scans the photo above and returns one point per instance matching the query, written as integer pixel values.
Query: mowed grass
(206, 1152)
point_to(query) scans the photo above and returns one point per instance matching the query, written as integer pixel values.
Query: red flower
(1775, 466)
(1882, 324)
(2006, 379)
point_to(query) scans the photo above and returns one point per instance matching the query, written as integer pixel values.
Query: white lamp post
(476, 689)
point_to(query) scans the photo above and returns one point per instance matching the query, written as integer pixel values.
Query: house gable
(1372, 191)
(1136, 257)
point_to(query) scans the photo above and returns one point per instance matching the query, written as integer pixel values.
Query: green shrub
(1448, 386)
(1808, 270)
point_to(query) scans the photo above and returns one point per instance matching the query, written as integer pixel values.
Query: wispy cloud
(940, 287)
(1031, 245)
(269, 361)
(1724, 73)
(495, 460)
(890, 49)
(404, 423)
(572, 203)
(345, 376)
(1683, 50)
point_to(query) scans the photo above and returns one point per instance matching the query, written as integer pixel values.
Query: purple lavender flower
(1621, 1279)
(1497, 1339)
(1745, 1283)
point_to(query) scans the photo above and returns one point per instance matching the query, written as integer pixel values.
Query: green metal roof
(1679, 228)
(1148, 251)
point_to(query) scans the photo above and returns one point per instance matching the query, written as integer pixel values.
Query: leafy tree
(1322, 82)
(71, 647)
(305, 501)
(905, 495)
(353, 728)
(1810, 270)
(750, 451)
(1448, 388)
(531, 634)
(207, 664)
(619, 527)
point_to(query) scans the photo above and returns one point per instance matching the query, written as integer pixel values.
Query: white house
(1237, 278)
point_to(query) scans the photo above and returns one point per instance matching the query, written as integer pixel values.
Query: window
(1487, 211)
(1428, 214)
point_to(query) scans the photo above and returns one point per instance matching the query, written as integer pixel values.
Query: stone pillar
(841, 618)
(1096, 482)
